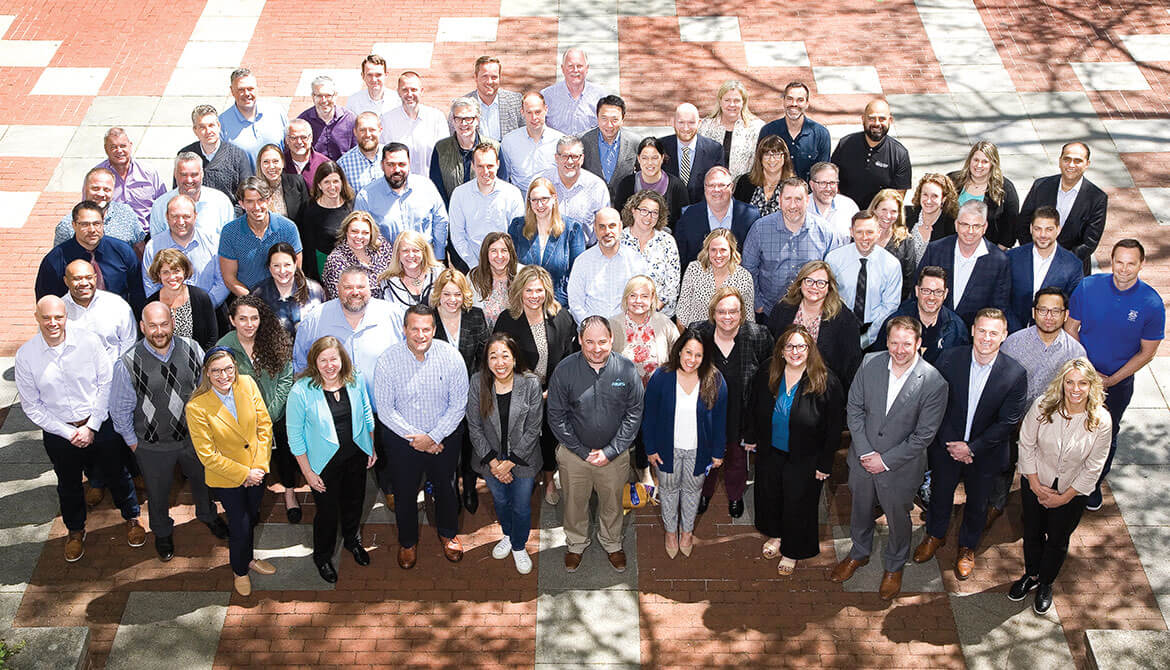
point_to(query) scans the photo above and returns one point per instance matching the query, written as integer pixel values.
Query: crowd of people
(521, 291)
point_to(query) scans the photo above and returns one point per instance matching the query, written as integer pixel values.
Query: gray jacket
(627, 156)
(524, 418)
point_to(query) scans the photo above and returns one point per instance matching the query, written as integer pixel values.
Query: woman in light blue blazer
(504, 416)
(330, 422)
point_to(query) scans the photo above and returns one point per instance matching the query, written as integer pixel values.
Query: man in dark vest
(452, 156)
(152, 383)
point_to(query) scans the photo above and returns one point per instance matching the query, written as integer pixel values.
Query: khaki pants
(579, 480)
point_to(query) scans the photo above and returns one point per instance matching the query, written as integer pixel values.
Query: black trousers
(406, 474)
(106, 455)
(466, 458)
(787, 496)
(382, 468)
(1047, 532)
(345, 492)
(284, 464)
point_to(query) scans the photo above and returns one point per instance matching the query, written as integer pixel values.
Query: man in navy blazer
(986, 400)
(717, 210)
(1081, 204)
(978, 273)
(1060, 266)
(120, 272)
(704, 153)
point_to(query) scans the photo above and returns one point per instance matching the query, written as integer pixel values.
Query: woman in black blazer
(812, 301)
(466, 328)
(544, 334)
(650, 175)
(794, 419)
(294, 195)
(981, 177)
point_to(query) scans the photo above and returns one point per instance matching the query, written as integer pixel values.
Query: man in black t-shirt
(872, 160)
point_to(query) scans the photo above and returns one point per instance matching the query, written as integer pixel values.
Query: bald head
(81, 280)
(158, 326)
(686, 122)
(607, 226)
(50, 314)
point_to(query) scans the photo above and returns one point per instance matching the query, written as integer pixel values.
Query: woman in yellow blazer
(232, 434)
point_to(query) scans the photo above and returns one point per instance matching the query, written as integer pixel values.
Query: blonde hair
(416, 240)
(727, 291)
(898, 231)
(726, 87)
(558, 224)
(994, 180)
(516, 291)
(451, 276)
(205, 379)
(1052, 400)
(375, 242)
(704, 256)
(169, 258)
(832, 304)
(640, 281)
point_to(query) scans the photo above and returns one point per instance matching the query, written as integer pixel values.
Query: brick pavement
(724, 606)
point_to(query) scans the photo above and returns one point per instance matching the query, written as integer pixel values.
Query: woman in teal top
(795, 418)
(263, 351)
(331, 432)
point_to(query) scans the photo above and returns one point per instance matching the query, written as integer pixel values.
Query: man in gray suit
(610, 153)
(896, 404)
(499, 110)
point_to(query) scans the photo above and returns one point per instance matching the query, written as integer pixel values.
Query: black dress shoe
(735, 508)
(360, 555)
(470, 499)
(218, 528)
(325, 568)
(1021, 587)
(293, 514)
(165, 546)
(704, 501)
(1043, 599)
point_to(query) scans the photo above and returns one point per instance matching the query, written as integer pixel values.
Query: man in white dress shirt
(600, 274)
(827, 205)
(373, 97)
(869, 278)
(482, 205)
(529, 151)
(414, 124)
(580, 193)
(63, 377)
(102, 313)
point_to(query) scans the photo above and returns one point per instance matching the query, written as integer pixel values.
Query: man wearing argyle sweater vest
(152, 383)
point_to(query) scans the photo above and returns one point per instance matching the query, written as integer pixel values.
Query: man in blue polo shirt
(251, 123)
(1120, 320)
(244, 242)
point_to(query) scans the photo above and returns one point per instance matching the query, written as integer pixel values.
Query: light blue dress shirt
(419, 207)
(213, 210)
(380, 327)
(203, 254)
(568, 115)
(774, 255)
(975, 384)
(527, 158)
(266, 127)
(229, 401)
(883, 284)
(474, 215)
(413, 397)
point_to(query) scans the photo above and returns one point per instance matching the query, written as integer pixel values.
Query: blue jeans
(513, 507)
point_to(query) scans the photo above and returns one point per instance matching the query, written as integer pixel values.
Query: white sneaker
(523, 561)
(500, 552)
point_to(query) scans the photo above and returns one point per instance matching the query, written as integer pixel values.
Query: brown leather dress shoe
(93, 497)
(927, 548)
(452, 548)
(75, 546)
(891, 585)
(135, 533)
(618, 560)
(572, 561)
(407, 557)
(390, 502)
(993, 513)
(845, 569)
(965, 563)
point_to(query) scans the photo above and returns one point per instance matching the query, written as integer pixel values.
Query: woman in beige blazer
(1064, 440)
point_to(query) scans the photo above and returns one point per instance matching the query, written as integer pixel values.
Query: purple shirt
(138, 190)
(310, 171)
(333, 138)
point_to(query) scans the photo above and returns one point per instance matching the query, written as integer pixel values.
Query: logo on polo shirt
(881, 164)
(1133, 315)
(618, 383)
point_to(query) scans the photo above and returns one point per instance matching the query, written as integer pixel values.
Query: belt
(78, 424)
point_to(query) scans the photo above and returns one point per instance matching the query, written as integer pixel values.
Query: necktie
(684, 165)
(859, 297)
(97, 272)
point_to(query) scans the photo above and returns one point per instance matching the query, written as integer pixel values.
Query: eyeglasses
(222, 372)
(540, 201)
(466, 119)
(773, 155)
(796, 347)
(571, 157)
(932, 292)
(1050, 311)
(970, 226)
(818, 182)
(727, 312)
(298, 138)
(719, 186)
(815, 283)
(324, 95)
(646, 212)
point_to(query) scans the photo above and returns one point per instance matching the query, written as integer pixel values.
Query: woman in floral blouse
(494, 274)
(717, 265)
(644, 218)
(358, 243)
(644, 335)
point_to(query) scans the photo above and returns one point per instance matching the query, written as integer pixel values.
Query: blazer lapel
(225, 416)
(909, 389)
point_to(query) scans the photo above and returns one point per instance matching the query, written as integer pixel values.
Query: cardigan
(658, 422)
(676, 195)
(204, 323)
(1083, 457)
(473, 335)
(525, 416)
(230, 448)
(838, 341)
(273, 388)
(559, 330)
(814, 423)
(665, 333)
(310, 424)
